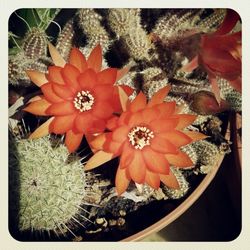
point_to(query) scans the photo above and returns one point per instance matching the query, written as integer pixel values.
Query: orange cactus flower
(147, 137)
(220, 54)
(78, 95)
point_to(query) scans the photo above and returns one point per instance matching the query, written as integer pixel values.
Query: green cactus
(50, 185)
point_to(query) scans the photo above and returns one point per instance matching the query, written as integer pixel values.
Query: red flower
(220, 54)
(78, 95)
(147, 137)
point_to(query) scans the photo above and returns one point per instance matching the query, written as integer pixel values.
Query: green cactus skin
(90, 23)
(50, 185)
(184, 186)
(35, 43)
(65, 39)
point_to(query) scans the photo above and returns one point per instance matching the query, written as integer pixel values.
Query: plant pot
(150, 64)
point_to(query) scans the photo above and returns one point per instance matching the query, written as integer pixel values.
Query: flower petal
(163, 125)
(138, 103)
(195, 136)
(166, 109)
(98, 126)
(184, 120)
(95, 59)
(56, 56)
(70, 75)
(123, 98)
(42, 130)
(121, 181)
(135, 119)
(137, 167)
(215, 87)
(122, 72)
(150, 114)
(152, 179)
(236, 84)
(37, 77)
(62, 124)
(38, 107)
(73, 140)
(180, 160)
(61, 108)
(162, 145)
(113, 147)
(126, 155)
(103, 92)
(121, 133)
(90, 138)
(102, 110)
(98, 159)
(107, 76)
(112, 123)
(170, 180)
(77, 59)
(155, 162)
(88, 79)
(228, 23)
(190, 66)
(62, 91)
(55, 75)
(83, 122)
(49, 93)
(124, 118)
(98, 142)
(35, 98)
(159, 96)
(176, 137)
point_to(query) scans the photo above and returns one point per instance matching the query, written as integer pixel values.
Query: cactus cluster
(157, 49)
(18, 65)
(48, 181)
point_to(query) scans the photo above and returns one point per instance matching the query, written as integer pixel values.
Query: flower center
(83, 101)
(140, 137)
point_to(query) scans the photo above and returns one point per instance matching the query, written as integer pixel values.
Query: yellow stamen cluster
(140, 136)
(83, 101)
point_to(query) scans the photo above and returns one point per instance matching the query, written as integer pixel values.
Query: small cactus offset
(126, 24)
(65, 39)
(90, 23)
(207, 153)
(138, 43)
(35, 43)
(121, 20)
